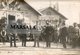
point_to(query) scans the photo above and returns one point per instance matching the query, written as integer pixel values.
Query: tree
(2, 23)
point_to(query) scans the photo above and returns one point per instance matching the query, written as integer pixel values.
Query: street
(56, 49)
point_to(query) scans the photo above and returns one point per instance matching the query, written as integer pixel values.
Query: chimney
(56, 6)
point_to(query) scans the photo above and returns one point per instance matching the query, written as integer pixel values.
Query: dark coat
(47, 34)
(23, 36)
(63, 32)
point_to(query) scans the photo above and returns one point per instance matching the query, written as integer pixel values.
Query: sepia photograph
(39, 27)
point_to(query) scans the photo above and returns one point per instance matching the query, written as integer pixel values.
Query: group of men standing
(70, 34)
(23, 38)
(74, 35)
(65, 34)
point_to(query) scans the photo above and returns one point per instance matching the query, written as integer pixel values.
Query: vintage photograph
(39, 27)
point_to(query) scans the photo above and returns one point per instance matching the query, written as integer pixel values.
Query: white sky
(70, 9)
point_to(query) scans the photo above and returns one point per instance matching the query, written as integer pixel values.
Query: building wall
(29, 15)
(49, 14)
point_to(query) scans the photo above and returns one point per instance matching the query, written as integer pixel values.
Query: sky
(69, 8)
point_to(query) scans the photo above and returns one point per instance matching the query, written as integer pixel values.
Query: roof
(54, 11)
(24, 2)
(1, 6)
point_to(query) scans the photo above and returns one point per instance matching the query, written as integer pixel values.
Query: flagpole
(57, 5)
(7, 3)
(50, 3)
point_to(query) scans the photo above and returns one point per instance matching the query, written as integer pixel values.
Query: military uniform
(12, 40)
(48, 35)
(3, 34)
(55, 35)
(75, 37)
(48, 41)
(23, 40)
(36, 35)
(36, 40)
(63, 35)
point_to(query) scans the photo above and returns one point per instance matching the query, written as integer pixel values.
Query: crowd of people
(64, 35)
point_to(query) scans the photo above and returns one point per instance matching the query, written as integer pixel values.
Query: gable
(2, 5)
(52, 11)
(48, 11)
(23, 6)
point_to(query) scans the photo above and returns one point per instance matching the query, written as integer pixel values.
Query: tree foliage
(2, 22)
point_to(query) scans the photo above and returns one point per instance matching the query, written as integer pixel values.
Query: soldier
(70, 34)
(63, 35)
(76, 35)
(48, 32)
(36, 40)
(23, 36)
(55, 35)
(12, 39)
(35, 36)
(3, 34)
